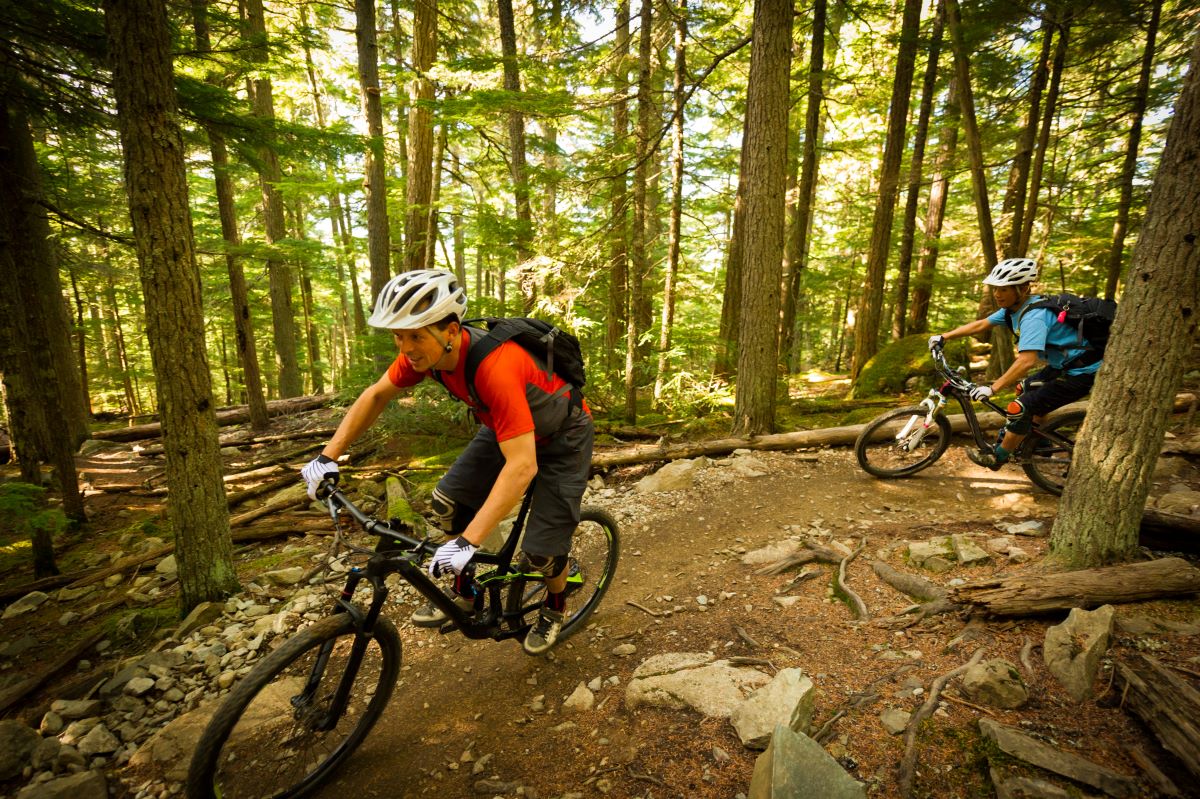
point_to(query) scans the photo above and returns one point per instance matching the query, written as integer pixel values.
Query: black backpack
(552, 348)
(1092, 318)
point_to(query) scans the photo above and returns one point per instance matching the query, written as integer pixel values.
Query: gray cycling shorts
(563, 464)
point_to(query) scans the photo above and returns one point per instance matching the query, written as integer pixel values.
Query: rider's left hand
(452, 556)
(980, 393)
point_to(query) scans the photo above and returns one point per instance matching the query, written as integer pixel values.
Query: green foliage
(908, 357)
(23, 511)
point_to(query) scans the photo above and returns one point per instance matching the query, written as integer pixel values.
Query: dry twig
(643, 608)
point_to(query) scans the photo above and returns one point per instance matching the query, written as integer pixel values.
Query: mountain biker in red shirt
(529, 428)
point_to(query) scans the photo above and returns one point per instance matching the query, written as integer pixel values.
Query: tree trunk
(439, 153)
(796, 254)
(81, 345)
(516, 161)
(1039, 159)
(1024, 595)
(618, 248)
(247, 349)
(1129, 167)
(1114, 458)
(866, 323)
(639, 258)
(673, 232)
(156, 184)
(41, 402)
(279, 274)
(763, 186)
(935, 213)
(908, 232)
(110, 294)
(420, 135)
(1018, 180)
(374, 159)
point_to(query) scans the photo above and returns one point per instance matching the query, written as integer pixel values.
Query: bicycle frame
(400, 553)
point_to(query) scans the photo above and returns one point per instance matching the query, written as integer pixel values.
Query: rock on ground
(84, 785)
(787, 699)
(17, 742)
(1072, 650)
(682, 680)
(996, 683)
(795, 765)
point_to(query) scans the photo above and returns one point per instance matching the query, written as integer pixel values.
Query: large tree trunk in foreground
(1167, 704)
(156, 184)
(1114, 459)
(1089, 588)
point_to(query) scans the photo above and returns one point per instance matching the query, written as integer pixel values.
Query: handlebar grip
(326, 488)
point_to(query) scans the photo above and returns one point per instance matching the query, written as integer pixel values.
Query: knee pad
(443, 507)
(1020, 421)
(548, 566)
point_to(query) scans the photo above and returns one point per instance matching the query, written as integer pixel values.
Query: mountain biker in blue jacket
(1070, 371)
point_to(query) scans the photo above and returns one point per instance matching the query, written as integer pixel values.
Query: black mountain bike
(902, 442)
(303, 710)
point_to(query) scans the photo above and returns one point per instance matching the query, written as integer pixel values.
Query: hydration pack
(1091, 318)
(553, 349)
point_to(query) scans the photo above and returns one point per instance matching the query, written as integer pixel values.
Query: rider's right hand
(937, 342)
(317, 470)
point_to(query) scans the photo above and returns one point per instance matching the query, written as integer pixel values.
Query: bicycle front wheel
(1047, 459)
(898, 443)
(275, 735)
(591, 564)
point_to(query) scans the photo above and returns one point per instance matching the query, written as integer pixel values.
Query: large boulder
(692, 680)
(787, 699)
(795, 765)
(17, 742)
(896, 363)
(26, 604)
(1072, 650)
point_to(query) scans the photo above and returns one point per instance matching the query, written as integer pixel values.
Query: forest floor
(459, 701)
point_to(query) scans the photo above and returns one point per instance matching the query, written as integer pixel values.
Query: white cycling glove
(317, 470)
(937, 341)
(979, 393)
(452, 556)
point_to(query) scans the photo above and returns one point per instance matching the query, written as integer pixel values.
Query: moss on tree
(892, 366)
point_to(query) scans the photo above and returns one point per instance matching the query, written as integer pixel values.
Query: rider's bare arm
(969, 329)
(1021, 366)
(520, 467)
(362, 414)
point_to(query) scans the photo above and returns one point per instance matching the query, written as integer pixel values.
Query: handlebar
(335, 500)
(954, 378)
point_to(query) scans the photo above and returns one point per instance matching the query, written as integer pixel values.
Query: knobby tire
(878, 453)
(1046, 461)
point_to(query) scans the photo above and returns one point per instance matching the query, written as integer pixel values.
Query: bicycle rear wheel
(883, 452)
(591, 563)
(1046, 460)
(272, 736)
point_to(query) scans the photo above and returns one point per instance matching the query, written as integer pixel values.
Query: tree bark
(618, 237)
(374, 159)
(420, 135)
(247, 349)
(673, 232)
(156, 184)
(1025, 595)
(916, 167)
(1043, 145)
(866, 323)
(1018, 179)
(1129, 166)
(1114, 458)
(639, 260)
(763, 187)
(516, 160)
(1166, 703)
(279, 274)
(43, 406)
(935, 213)
(796, 253)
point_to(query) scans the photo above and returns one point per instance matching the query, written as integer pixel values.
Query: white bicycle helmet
(415, 299)
(1012, 272)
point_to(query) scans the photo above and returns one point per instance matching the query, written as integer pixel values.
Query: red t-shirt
(518, 394)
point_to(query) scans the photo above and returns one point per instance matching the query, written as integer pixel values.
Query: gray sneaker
(430, 615)
(544, 633)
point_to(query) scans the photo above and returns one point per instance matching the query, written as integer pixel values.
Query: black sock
(557, 601)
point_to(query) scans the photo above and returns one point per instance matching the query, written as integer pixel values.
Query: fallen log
(1166, 703)
(246, 441)
(1086, 588)
(17, 591)
(827, 437)
(236, 415)
(11, 696)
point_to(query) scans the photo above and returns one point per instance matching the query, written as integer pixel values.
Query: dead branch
(839, 582)
(642, 608)
(11, 696)
(236, 415)
(807, 555)
(16, 592)
(1168, 705)
(807, 574)
(245, 441)
(909, 764)
(745, 636)
(910, 584)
